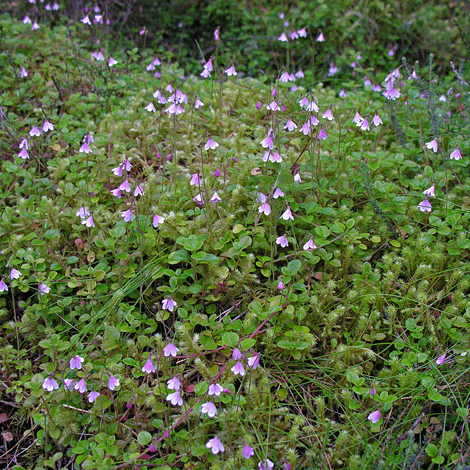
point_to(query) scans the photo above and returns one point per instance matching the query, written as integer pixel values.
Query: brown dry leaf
(8, 436)
(404, 234)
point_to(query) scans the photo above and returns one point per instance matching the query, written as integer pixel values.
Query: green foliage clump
(172, 249)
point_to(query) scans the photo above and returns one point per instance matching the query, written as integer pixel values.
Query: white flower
(456, 155)
(215, 389)
(215, 445)
(432, 145)
(157, 220)
(290, 125)
(441, 359)
(50, 384)
(47, 126)
(210, 144)
(175, 398)
(266, 465)
(430, 191)
(231, 71)
(209, 409)
(174, 384)
(425, 206)
(287, 214)
(43, 289)
(169, 304)
(309, 245)
(374, 417)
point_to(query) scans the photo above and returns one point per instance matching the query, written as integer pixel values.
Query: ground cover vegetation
(206, 269)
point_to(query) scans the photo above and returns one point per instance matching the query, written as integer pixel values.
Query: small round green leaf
(144, 438)
(230, 339)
